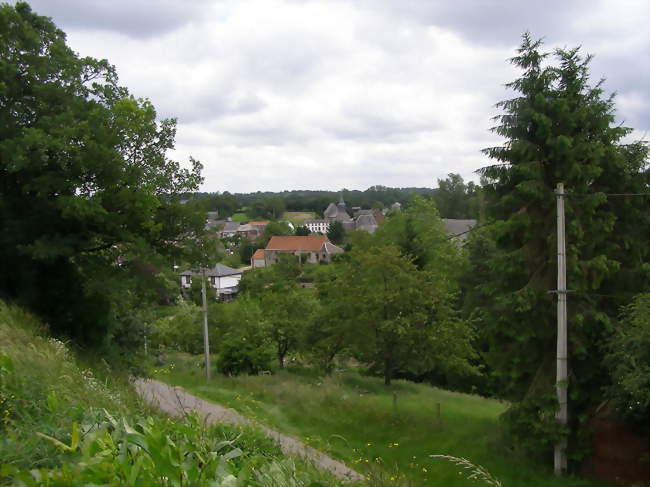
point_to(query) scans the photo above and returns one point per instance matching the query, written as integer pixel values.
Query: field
(241, 217)
(387, 433)
(298, 217)
(64, 423)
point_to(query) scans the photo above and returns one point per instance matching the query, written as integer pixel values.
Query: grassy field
(388, 433)
(298, 217)
(63, 423)
(241, 217)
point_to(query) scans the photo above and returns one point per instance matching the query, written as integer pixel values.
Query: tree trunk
(281, 353)
(388, 371)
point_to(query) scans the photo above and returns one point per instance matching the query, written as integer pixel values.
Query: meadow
(66, 423)
(298, 217)
(387, 433)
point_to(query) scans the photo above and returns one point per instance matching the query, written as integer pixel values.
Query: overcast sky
(326, 94)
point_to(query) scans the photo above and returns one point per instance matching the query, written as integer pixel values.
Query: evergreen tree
(559, 128)
(336, 232)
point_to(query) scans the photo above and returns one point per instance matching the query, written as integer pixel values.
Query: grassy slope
(354, 418)
(105, 434)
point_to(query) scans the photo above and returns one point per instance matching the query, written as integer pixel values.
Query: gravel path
(177, 402)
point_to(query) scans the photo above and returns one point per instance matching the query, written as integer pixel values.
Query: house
(229, 229)
(252, 230)
(458, 229)
(257, 260)
(212, 222)
(366, 220)
(313, 249)
(223, 279)
(317, 226)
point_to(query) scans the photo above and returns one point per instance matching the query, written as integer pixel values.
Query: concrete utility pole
(206, 340)
(560, 460)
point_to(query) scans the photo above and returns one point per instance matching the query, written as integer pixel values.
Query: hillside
(63, 424)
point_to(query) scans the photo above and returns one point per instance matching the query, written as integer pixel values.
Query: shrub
(244, 354)
(629, 362)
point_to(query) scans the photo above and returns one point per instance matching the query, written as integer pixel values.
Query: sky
(274, 95)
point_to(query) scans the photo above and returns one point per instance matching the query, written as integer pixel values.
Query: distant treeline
(453, 197)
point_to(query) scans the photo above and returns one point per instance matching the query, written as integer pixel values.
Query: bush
(629, 362)
(182, 330)
(239, 355)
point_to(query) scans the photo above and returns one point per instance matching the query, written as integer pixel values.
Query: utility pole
(206, 340)
(560, 459)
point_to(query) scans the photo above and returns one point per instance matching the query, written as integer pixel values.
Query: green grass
(240, 217)
(298, 217)
(65, 424)
(353, 417)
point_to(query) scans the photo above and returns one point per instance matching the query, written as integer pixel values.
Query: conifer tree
(559, 128)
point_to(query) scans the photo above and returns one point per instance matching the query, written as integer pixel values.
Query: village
(313, 248)
(310, 243)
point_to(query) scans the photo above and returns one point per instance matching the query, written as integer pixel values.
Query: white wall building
(223, 279)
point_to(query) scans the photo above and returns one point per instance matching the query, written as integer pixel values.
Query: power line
(606, 194)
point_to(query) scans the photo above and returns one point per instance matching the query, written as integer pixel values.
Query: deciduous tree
(84, 177)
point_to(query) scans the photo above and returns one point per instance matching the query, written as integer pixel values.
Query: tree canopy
(559, 128)
(85, 182)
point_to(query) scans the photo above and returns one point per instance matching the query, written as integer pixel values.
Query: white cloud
(283, 94)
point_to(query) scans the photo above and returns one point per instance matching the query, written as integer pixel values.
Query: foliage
(399, 317)
(242, 340)
(268, 209)
(302, 231)
(86, 183)
(317, 200)
(43, 390)
(180, 330)
(559, 128)
(475, 472)
(354, 418)
(62, 425)
(419, 233)
(455, 199)
(247, 249)
(287, 314)
(335, 232)
(629, 362)
(273, 229)
(244, 353)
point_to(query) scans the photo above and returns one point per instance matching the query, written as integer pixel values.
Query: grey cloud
(135, 18)
(487, 21)
(205, 105)
(357, 125)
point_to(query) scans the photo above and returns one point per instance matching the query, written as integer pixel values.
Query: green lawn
(298, 217)
(354, 418)
(241, 217)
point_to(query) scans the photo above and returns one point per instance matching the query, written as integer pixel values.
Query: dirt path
(177, 402)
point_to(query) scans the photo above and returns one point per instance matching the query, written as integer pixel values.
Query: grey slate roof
(331, 211)
(456, 227)
(218, 270)
(214, 224)
(367, 223)
(230, 227)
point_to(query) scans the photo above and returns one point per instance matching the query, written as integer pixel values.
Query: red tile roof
(311, 243)
(258, 223)
(258, 255)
